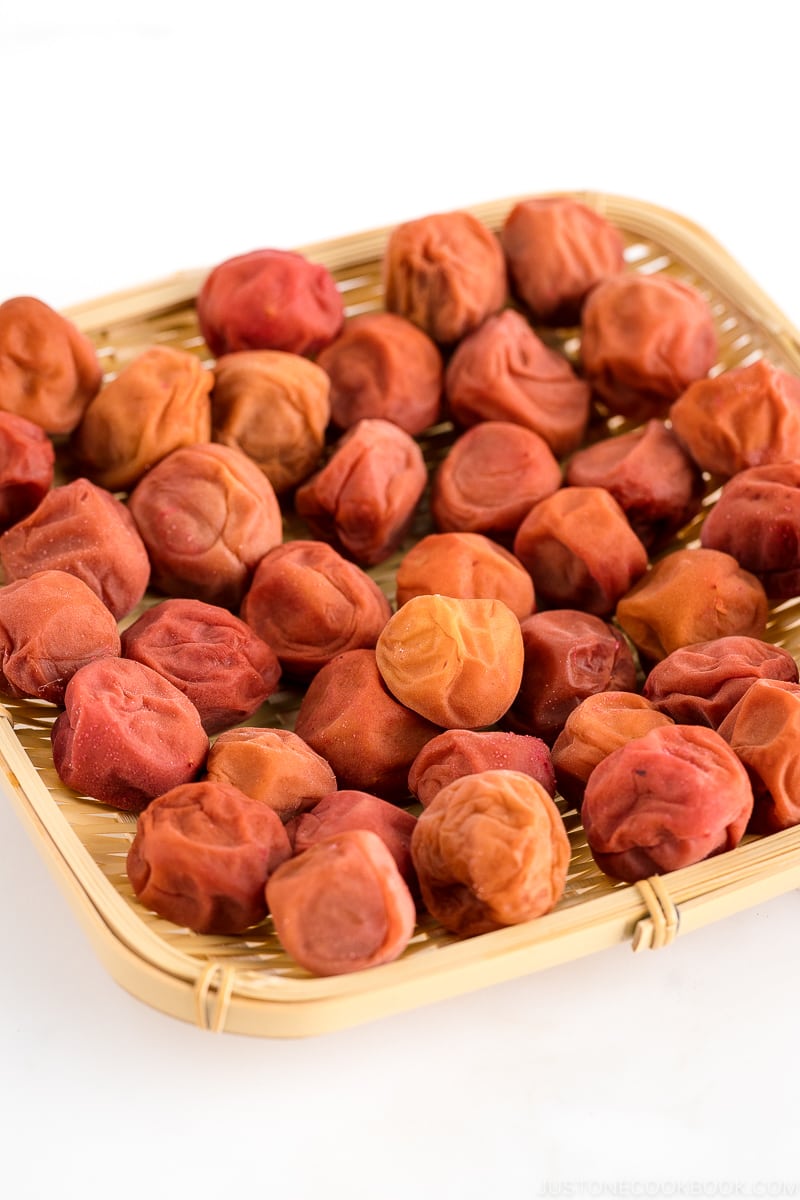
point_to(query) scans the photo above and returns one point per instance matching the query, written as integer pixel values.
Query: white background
(141, 138)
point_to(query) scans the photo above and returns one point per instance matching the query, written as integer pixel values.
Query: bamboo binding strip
(661, 927)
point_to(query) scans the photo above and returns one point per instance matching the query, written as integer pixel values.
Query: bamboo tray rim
(649, 914)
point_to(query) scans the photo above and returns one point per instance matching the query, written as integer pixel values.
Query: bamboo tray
(247, 984)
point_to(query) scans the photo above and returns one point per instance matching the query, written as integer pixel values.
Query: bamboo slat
(248, 984)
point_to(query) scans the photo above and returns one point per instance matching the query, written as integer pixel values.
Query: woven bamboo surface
(247, 984)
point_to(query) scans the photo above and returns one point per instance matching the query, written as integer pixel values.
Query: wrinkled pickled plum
(757, 520)
(645, 338)
(692, 596)
(51, 625)
(269, 300)
(342, 905)
(664, 801)
(504, 372)
(491, 478)
(49, 371)
(83, 530)
(202, 855)
(598, 726)
(157, 403)
(580, 550)
(274, 766)
(27, 467)
(275, 407)
(460, 752)
(763, 731)
(557, 249)
(490, 850)
(310, 604)
(383, 366)
(207, 516)
(457, 663)
(746, 417)
(364, 497)
(215, 659)
(126, 735)
(340, 811)
(569, 655)
(445, 273)
(648, 473)
(467, 566)
(699, 684)
(349, 717)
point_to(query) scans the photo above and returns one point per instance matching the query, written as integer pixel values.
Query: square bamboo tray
(247, 984)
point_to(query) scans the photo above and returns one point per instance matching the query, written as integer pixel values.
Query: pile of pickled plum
(543, 639)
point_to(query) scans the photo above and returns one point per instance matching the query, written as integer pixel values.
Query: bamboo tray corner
(246, 984)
